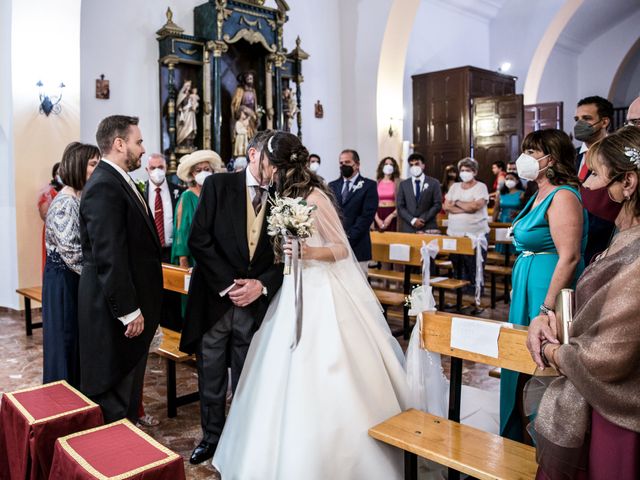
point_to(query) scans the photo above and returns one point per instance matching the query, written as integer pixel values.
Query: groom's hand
(246, 292)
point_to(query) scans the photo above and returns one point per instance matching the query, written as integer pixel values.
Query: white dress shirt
(583, 149)
(167, 208)
(421, 179)
(130, 317)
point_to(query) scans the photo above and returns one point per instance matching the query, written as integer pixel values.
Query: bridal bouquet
(291, 219)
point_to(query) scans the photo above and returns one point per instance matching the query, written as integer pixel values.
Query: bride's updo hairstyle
(293, 178)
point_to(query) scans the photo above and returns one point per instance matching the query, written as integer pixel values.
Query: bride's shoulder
(318, 197)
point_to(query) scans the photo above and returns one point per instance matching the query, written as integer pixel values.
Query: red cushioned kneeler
(32, 419)
(118, 450)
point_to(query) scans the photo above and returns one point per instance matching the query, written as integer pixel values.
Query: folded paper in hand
(475, 336)
(399, 252)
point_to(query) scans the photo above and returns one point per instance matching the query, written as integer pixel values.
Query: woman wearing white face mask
(466, 204)
(550, 235)
(388, 177)
(193, 170)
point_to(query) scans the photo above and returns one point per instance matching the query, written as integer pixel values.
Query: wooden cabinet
(443, 126)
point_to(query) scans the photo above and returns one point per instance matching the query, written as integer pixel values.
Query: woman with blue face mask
(550, 236)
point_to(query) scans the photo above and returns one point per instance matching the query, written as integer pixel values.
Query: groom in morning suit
(358, 200)
(120, 291)
(234, 280)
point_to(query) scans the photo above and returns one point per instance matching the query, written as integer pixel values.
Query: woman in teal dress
(550, 236)
(508, 205)
(193, 170)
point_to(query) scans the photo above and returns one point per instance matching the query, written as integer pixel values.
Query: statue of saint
(244, 101)
(187, 105)
(241, 134)
(289, 108)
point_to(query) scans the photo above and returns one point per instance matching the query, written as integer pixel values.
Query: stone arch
(390, 77)
(545, 47)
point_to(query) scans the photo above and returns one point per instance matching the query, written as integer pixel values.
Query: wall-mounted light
(504, 67)
(392, 130)
(48, 102)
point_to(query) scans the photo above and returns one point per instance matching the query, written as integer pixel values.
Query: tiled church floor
(21, 367)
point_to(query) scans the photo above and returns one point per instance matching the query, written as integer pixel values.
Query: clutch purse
(564, 314)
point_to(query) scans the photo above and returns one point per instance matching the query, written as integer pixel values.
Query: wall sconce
(49, 103)
(391, 129)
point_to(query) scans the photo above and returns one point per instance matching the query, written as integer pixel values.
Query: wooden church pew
(459, 447)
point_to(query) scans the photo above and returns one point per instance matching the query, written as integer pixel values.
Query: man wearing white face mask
(419, 199)
(162, 196)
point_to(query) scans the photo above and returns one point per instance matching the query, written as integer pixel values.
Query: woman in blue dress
(509, 202)
(63, 267)
(550, 235)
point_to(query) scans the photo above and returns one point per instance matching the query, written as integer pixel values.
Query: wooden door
(496, 132)
(543, 115)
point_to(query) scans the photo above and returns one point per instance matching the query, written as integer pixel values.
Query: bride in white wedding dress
(303, 413)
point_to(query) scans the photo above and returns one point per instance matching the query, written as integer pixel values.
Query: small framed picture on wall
(102, 88)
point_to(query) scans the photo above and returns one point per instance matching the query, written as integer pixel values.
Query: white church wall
(129, 61)
(559, 83)
(442, 38)
(9, 278)
(40, 50)
(515, 33)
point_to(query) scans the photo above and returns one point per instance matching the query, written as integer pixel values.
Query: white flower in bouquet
(290, 217)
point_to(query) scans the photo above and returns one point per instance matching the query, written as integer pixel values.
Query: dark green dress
(182, 227)
(532, 274)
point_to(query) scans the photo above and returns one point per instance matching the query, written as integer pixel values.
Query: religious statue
(241, 134)
(188, 104)
(289, 108)
(244, 101)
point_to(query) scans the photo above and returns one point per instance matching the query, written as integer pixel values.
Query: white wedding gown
(304, 413)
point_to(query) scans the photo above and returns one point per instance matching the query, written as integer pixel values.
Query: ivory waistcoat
(254, 224)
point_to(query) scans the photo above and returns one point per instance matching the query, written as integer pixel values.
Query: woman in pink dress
(388, 176)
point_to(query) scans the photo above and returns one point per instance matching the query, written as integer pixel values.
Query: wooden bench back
(173, 277)
(512, 348)
(381, 242)
(492, 233)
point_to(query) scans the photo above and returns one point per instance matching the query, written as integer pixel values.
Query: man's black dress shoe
(202, 452)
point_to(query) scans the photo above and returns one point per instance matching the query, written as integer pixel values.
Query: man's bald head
(633, 114)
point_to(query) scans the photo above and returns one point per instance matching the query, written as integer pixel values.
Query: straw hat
(189, 161)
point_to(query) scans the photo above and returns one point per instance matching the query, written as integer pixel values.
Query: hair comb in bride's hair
(634, 155)
(269, 147)
(293, 157)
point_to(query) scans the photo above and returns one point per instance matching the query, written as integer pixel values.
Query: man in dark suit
(120, 292)
(358, 200)
(419, 199)
(234, 280)
(162, 196)
(593, 117)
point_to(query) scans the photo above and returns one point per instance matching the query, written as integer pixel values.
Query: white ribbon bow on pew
(422, 296)
(427, 383)
(479, 243)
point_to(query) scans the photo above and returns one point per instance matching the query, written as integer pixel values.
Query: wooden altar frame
(218, 24)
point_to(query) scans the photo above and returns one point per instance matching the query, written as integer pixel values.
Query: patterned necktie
(417, 191)
(345, 190)
(257, 199)
(158, 216)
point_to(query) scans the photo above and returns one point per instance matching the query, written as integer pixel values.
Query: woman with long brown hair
(550, 236)
(345, 357)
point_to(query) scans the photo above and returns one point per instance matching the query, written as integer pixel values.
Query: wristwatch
(545, 310)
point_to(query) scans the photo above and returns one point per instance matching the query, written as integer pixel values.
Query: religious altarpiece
(230, 79)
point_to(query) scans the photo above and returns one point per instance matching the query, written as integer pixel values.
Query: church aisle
(21, 367)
